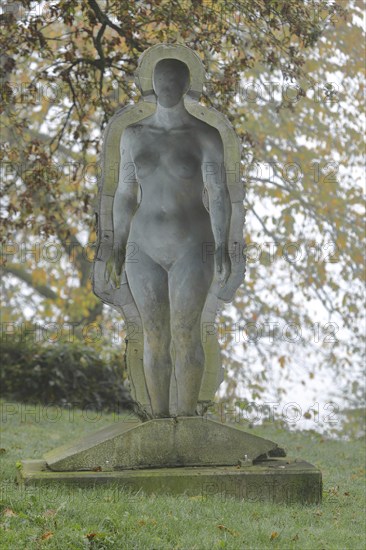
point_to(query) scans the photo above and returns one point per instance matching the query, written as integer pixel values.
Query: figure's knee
(188, 346)
(194, 357)
(186, 333)
(157, 342)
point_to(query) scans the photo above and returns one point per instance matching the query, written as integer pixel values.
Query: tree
(288, 76)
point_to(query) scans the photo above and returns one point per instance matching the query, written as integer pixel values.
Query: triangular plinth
(160, 443)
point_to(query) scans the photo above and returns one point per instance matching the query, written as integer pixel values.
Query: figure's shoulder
(205, 128)
(131, 133)
(138, 128)
(134, 129)
(208, 135)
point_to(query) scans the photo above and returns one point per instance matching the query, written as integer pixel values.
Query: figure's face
(171, 81)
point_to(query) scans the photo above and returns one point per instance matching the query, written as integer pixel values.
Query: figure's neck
(170, 117)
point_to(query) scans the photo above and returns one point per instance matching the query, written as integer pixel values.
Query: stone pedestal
(276, 480)
(191, 455)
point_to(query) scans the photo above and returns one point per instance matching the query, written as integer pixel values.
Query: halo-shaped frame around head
(148, 60)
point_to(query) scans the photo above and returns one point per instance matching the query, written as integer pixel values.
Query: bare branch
(26, 277)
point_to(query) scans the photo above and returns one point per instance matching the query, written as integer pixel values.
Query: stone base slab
(276, 480)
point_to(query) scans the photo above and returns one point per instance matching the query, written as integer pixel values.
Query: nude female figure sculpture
(169, 156)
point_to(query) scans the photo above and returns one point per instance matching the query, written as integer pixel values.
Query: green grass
(73, 518)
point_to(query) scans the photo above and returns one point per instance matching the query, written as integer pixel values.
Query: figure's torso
(168, 166)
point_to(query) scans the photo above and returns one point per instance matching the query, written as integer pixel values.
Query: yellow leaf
(8, 512)
(39, 276)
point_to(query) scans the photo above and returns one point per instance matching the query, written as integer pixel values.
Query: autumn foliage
(289, 77)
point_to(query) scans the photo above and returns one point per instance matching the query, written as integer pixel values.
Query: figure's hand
(223, 264)
(114, 266)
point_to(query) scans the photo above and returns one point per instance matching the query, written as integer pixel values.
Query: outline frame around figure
(121, 298)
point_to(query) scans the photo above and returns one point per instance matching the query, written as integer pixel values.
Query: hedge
(64, 374)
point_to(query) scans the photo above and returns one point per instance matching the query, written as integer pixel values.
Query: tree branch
(26, 277)
(104, 20)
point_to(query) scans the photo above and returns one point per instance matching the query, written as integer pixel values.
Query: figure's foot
(162, 415)
(142, 414)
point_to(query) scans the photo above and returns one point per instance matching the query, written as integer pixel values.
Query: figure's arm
(214, 177)
(124, 207)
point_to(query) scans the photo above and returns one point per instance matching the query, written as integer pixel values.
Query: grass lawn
(72, 518)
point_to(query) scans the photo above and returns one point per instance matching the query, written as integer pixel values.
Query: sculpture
(158, 238)
(171, 192)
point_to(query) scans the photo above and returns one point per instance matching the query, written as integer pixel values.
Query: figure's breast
(146, 162)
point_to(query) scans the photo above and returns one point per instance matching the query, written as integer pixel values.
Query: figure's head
(171, 81)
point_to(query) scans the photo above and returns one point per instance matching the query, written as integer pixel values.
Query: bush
(63, 374)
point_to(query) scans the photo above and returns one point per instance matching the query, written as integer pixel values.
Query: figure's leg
(148, 282)
(189, 281)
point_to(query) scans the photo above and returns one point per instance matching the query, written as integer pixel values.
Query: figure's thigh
(190, 279)
(148, 282)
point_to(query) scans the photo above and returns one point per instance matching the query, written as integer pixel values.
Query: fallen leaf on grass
(90, 536)
(274, 535)
(49, 513)
(148, 521)
(2, 451)
(47, 535)
(347, 494)
(8, 512)
(224, 528)
(296, 537)
(97, 469)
